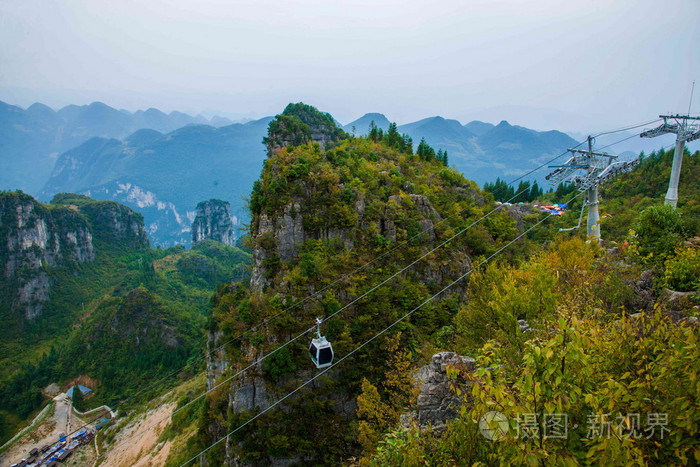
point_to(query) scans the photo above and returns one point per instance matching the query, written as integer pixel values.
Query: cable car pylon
(686, 128)
(598, 167)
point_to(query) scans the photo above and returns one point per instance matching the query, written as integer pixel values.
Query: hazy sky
(581, 64)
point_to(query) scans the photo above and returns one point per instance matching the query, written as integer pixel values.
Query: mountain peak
(376, 115)
(99, 105)
(300, 123)
(478, 127)
(151, 111)
(362, 124)
(39, 107)
(143, 136)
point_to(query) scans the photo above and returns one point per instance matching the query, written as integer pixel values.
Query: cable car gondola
(320, 349)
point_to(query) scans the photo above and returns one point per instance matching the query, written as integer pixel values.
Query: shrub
(683, 271)
(659, 231)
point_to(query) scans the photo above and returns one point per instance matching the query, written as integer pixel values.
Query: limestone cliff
(213, 222)
(321, 209)
(437, 402)
(111, 221)
(38, 238)
(299, 124)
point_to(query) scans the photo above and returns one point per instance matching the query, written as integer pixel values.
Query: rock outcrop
(116, 223)
(279, 237)
(299, 124)
(213, 222)
(437, 403)
(644, 293)
(320, 211)
(35, 238)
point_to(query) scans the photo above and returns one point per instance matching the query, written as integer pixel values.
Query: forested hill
(83, 296)
(556, 325)
(629, 194)
(162, 173)
(326, 203)
(607, 364)
(482, 151)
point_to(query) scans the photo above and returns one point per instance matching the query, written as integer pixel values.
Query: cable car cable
(628, 128)
(397, 247)
(298, 336)
(425, 302)
(333, 284)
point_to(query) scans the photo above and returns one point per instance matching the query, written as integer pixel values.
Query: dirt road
(62, 421)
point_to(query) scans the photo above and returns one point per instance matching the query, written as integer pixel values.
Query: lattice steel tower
(686, 128)
(597, 167)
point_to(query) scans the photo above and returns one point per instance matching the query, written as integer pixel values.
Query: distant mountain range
(165, 176)
(162, 165)
(482, 151)
(31, 139)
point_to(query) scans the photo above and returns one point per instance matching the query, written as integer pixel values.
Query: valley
(364, 234)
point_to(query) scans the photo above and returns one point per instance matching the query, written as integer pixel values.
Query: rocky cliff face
(299, 124)
(319, 211)
(37, 238)
(437, 402)
(279, 237)
(213, 221)
(115, 223)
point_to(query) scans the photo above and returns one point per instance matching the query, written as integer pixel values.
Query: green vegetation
(622, 379)
(627, 195)
(589, 353)
(372, 193)
(612, 381)
(298, 123)
(526, 193)
(658, 232)
(577, 298)
(131, 336)
(126, 319)
(683, 271)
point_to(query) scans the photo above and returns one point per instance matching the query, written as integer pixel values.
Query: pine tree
(407, 144)
(375, 133)
(424, 151)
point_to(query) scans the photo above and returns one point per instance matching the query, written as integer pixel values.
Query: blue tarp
(102, 423)
(83, 389)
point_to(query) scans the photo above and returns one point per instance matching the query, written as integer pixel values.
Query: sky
(574, 65)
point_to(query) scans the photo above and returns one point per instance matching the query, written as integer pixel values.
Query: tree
(500, 189)
(658, 232)
(535, 192)
(375, 133)
(77, 398)
(393, 138)
(424, 151)
(373, 415)
(563, 191)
